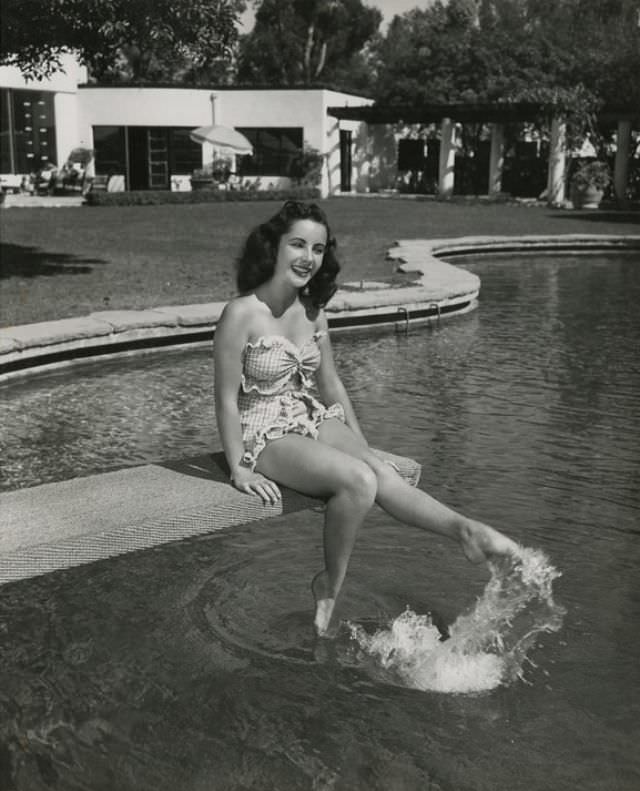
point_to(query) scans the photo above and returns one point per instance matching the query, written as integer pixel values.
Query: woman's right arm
(228, 343)
(230, 338)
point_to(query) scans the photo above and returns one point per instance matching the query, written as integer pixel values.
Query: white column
(496, 159)
(621, 166)
(557, 159)
(208, 153)
(447, 158)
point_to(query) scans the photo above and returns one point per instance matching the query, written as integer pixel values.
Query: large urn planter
(586, 197)
(588, 185)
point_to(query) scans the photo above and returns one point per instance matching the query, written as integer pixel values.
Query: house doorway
(345, 160)
(148, 158)
(138, 161)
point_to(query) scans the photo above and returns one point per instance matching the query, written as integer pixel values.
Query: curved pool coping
(440, 290)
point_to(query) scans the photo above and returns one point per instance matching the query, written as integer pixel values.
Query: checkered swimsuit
(275, 395)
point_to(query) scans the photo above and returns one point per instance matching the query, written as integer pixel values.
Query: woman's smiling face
(300, 252)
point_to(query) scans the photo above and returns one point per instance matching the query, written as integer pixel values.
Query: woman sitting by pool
(271, 347)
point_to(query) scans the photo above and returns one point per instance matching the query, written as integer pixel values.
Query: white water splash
(486, 646)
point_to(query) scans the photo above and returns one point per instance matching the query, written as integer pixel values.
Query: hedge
(155, 197)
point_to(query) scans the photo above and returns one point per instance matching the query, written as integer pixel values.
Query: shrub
(308, 167)
(218, 169)
(156, 197)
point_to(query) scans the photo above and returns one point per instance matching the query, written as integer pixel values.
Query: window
(109, 145)
(148, 155)
(411, 154)
(185, 155)
(276, 151)
(28, 131)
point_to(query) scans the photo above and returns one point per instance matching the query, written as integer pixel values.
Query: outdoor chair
(45, 180)
(70, 178)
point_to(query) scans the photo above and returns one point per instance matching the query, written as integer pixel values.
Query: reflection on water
(193, 665)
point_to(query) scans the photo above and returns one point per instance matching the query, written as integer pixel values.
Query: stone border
(468, 245)
(442, 289)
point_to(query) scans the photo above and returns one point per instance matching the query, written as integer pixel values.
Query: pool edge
(442, 290)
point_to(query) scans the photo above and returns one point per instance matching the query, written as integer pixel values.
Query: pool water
(192, 666)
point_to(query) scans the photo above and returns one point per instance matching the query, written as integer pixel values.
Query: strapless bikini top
(274, 364)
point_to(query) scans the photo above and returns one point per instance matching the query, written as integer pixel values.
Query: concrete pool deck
(59, 525)
(435, 289)
(432, 289)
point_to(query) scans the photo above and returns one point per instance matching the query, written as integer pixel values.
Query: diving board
(82, 520)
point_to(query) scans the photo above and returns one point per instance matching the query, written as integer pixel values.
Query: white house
(141, 134)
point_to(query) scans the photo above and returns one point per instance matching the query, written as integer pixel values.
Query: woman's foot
(324, 603)
(481, 542)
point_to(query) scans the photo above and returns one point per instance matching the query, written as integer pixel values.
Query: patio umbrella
(221, 136)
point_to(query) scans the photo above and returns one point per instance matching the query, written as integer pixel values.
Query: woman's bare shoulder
(238, 310)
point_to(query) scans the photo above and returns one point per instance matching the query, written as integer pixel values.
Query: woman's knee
(361, 481)
(372, 461)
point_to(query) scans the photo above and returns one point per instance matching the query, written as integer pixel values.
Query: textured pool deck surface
(81, 520)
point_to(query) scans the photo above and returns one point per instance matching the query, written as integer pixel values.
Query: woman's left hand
(256, 484)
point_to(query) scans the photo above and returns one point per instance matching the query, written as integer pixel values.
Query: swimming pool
(191, 666)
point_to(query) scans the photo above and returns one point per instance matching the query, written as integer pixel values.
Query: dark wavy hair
(257, 262)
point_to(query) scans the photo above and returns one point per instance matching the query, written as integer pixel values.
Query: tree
(504, 49)
(427, 56)
(570, 56)
(130, 39)
(305, 41)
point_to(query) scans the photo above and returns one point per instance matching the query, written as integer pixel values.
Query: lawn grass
(64, 262)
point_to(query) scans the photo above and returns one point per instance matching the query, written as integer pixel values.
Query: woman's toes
(481, 542)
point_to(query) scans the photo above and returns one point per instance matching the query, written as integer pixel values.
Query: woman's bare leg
(414, 506)
(348, 484)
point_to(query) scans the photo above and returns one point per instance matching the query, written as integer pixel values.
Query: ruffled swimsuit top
(276, 393)
(274, 364)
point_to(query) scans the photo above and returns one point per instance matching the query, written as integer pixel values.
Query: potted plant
(81, 156)
(221, 170)
(588, 184)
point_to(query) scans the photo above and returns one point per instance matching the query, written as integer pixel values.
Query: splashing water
(486, 647)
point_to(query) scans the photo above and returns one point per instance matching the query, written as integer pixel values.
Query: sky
(391, 7)
(388, 7)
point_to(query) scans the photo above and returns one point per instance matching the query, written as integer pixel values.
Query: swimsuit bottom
(292, 412)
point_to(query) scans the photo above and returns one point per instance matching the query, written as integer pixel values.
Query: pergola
(497, 114)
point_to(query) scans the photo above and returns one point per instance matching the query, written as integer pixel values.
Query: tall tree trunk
(321, 60)
(307, 52)
(287, 78)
